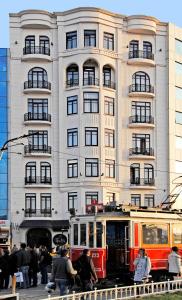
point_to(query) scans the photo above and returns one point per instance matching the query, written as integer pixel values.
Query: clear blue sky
(165, 10)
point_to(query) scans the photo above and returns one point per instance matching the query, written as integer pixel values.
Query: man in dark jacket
(23, 261)
(33, 267)
(86, 270)
(45, 261)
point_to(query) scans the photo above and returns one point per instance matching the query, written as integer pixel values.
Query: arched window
(133, 49)
(72, 76)
(148, 174)
(147, 47)
(29, 44)
(108, 77)
(135, 174)
(141, 82)
(45, 172)
(44, 45)
(30, 173)
(90, 72)
(37, 78)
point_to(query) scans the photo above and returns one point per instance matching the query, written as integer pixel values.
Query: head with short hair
(141, 251)
(175, 249)
(86, 252)
(23, 245)
(64, 252)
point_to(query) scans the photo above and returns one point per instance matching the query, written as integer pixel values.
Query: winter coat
(174, 262)
(62, 268)
(86, 268)
(23, 258)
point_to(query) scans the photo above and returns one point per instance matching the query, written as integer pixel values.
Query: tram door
(117, 242)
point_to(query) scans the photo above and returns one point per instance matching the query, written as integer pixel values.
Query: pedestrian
(86, 271)
(142, 266)
(13, 268)
(62, 269)
(3, 269)
(174, 263)
(6, 271)
(33, 267)
(23, 261)
(45, 261)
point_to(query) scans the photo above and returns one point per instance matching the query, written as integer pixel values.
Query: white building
(104, 92)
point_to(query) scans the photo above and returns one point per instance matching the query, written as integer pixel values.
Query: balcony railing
(38, 180)
(142, 181)
(109, 84)
(141, 151)
(141, 88)
(37, 149)
(37, 117)
(141, 119)
(91, 81)
(72, 83)
(36, 50)
(38, 212)
(37, 84)
(141, 54)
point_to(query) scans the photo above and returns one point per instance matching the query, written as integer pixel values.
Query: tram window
(98, 234)
(83, 234)
(91, 234)
(177, 234)
(155, 234)
(75, 234)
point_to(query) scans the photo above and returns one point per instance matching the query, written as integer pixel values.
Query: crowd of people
(30, 260)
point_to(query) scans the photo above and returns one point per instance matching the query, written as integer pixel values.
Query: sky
(165, 10)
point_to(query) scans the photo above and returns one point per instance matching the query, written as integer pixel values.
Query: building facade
(95, 91)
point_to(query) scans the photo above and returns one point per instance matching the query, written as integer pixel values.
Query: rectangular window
(91, 234)
(149, 201)
(110, 168)
(109, 138)
(39, 140)
(72, 199)
(30, 203)
(38, 106)
(178, 93)
(177, 234)
(91, 198)
(178, 142)
(141, 112)
(90, 38)
(91, 136)
(72, 105)
(110, 198)
(155, 234)
(91, 167)
(99, 234)
(141, 144)
(109, 106)
(178, 47)
(72, 168)
(178, 68)
(75, 234)
(179, 117)
(72, 137)
(45, 203)
(82, 234)
(91, 102)
(71, 40)
(108, 41)
(136, 200)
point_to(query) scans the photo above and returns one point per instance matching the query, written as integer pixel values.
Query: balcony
(37, 180)
(141, 121)
(37, 86)
(72, 83)
(143, 183)
(141, 90)
(109, 84)
(91, 81)
(37, 118)
(139, 57)
(40, 150)
(37, 213)
(141, 153)
(36, 53)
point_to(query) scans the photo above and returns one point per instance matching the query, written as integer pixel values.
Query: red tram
(115, 237)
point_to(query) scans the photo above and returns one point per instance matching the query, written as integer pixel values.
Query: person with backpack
(62, 270)
(45, 261)
(86, 271)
